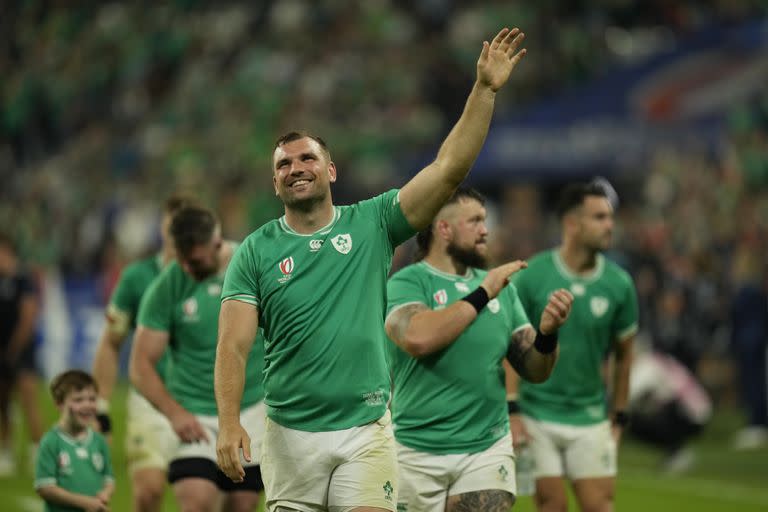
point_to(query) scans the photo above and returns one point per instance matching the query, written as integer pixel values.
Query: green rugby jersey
(604, 311)
(188, 310)
(82, 466)
(452, 401)
(126, 297)
(321, 300)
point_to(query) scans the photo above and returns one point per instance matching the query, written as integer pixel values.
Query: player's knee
(242, 502)
(148, 493)
(550, 501)
(148, 499)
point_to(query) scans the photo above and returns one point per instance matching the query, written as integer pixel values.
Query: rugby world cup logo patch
(441, 297)
(286, 268)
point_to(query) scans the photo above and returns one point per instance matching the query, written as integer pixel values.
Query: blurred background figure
(749, 335)
(667, 407)
(19, 307)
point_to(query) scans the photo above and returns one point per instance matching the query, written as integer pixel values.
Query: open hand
(499, 58)
(233, 438)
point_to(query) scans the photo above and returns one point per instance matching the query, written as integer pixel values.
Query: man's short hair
(573, 196)
(297, 135)
(192, 226)
(176, 202)
(425, 236)
(71, 381)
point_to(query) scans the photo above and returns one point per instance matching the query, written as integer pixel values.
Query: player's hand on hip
(497, 278)
(499, 58)
(556, 311)
(233, 438)
(187, 427)
(520, 435)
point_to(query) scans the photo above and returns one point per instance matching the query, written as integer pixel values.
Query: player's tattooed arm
(397, 323)
(421, 331)
(529, 363)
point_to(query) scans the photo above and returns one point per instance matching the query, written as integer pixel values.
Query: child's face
(79, 407)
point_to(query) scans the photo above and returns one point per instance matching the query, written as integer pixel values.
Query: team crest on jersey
(286, 268)
(98, 461)
(64, 461)
(342, 243)
(598, 306)
(578, 289)
(315, 245)
(494, 306)
(441, 297)
(462, 287)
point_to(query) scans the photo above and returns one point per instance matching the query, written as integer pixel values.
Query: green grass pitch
(721, 480)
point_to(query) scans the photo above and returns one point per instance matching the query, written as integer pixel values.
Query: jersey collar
(469, 274)
(322, 231)
(567, 273)
(73, 441)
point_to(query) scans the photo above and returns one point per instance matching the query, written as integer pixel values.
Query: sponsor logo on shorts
(315, 245)
(402, 507)
(503, 473)
(388, 490)
(286, 268)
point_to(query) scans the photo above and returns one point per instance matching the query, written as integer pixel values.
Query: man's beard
(306, 204)
(467, 257)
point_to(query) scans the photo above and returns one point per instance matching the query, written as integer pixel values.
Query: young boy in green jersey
(73, 469)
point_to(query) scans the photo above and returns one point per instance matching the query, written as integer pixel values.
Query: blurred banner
(679, 97)
(71, 323)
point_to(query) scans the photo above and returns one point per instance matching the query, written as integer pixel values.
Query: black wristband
(105, 423)
(545, 343)
(478, 298)
(620, 418)
(513, 407)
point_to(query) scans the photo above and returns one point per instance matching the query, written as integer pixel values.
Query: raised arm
(421, 331)
(533, 354)
(238, 326)
(425, 194)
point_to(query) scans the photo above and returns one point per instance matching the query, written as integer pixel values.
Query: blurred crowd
(109, 107)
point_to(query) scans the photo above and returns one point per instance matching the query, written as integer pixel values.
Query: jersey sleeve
(156, 307)
(626, 320)
(517, 311)
(123, 305)
(45, 465)
(109, 475)
(522, 293)
(241, 281)
(392, 217)
(405, 288)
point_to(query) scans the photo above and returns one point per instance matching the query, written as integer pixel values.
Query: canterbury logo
(286, 266)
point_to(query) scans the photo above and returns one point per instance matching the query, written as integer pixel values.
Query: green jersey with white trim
(81, 466)
(604, 311)
(188, 310)
(452, 401)
(124, 303)
(321, 301)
